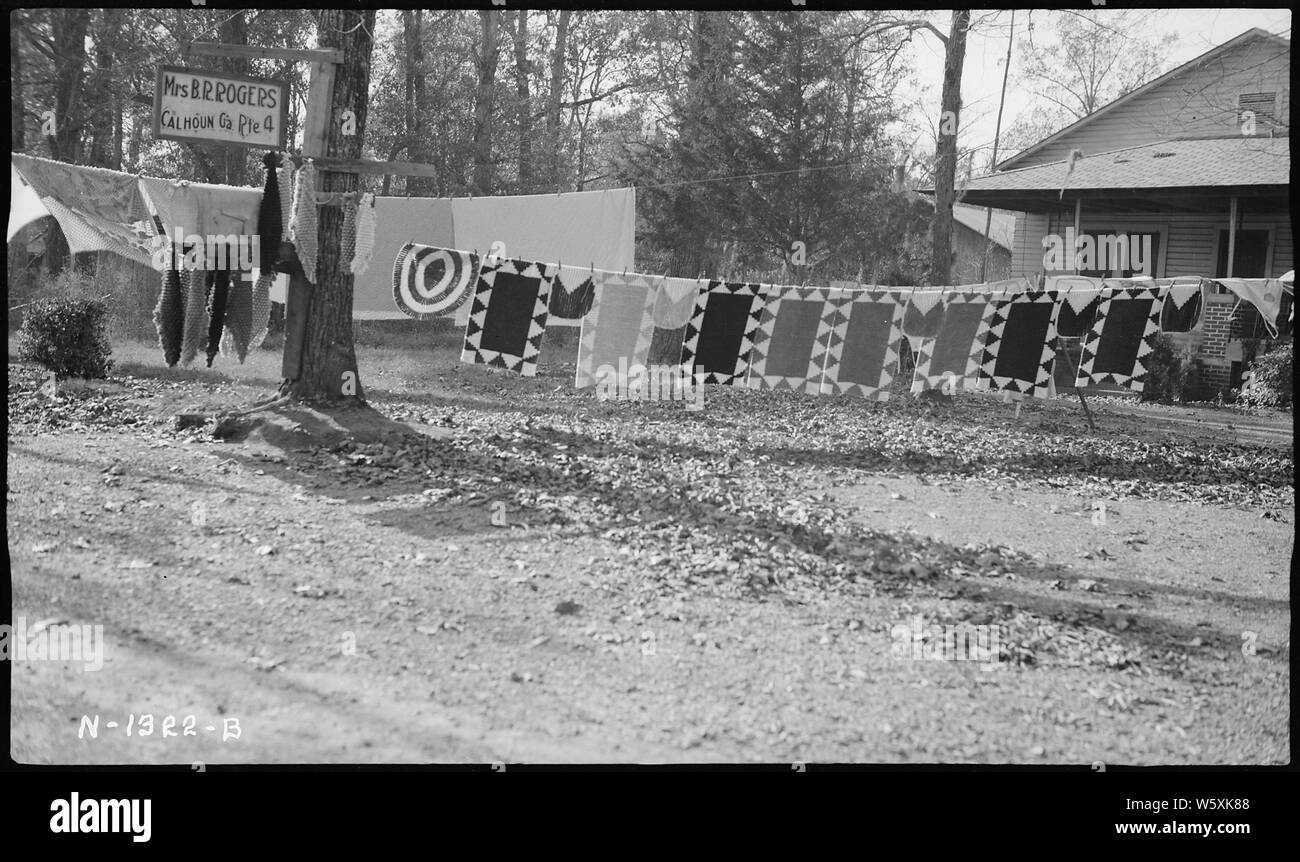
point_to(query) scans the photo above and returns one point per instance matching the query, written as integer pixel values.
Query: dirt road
(530, 578)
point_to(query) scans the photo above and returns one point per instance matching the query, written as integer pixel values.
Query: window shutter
(1262, 105)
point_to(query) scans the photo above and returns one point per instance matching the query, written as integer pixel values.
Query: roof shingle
(1237, 161)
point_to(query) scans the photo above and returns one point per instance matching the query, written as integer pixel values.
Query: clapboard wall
(1190, 239)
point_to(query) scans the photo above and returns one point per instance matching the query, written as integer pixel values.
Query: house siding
(968, 254)
(1202, 102)
(1190, 239)
(1027, 247)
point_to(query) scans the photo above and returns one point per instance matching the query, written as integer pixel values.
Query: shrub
(71, 282)
(130, 290)
(66, 336)
(1168, 372)
(1270, 378)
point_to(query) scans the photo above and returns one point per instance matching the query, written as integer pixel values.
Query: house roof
(1249, 35)
(1002, 229)
(1213, 162)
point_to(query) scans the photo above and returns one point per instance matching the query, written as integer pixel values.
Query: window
(1262, 105)
(1119, 254)
(1249, 256)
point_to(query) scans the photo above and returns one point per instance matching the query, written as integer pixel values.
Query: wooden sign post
(320, 93)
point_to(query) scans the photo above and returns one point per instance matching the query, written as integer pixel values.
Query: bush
(66, 336)
(1168, 372)
(130, 290)
(1270, 379)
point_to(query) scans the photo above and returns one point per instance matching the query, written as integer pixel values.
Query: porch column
(1232, 233)
(1078, 227)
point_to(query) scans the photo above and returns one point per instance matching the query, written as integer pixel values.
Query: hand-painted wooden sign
(192, 105)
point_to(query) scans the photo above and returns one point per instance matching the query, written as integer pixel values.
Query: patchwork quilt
(573, 290)
(1122, 336)
(862, 355)
(793, 338)
(720, 335)
(1079, 297)
(1182, 309)
(951, 359)
(619, 326)
(1019, 344)
(924, 312)
(674, 305)
(508, 316)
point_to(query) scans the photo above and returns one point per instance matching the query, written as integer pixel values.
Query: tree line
(761, 143)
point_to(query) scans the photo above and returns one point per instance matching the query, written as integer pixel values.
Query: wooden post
(316, 125)
(299, 358)
(316, 122)
(1079, 391)
(256, 52)
(297, 306)
(298, 299)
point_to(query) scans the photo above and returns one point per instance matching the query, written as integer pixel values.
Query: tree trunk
(850, 106)
(555, 96)
(417, 140)
(710, 39)
(133, 148)
(70, 27)
(117, 134)
(232, 162)
(99, 120)
(524, 97)
(17, 107)
(100, 116)
(484, 93)
(945, 161)
(410, 39)
(329, 359)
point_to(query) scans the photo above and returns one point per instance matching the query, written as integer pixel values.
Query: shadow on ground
(617, 500)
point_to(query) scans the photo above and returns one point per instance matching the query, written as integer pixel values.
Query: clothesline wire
(749, 175)
(349, 196)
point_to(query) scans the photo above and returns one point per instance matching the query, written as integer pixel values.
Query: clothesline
(322, 198)
(801, 170)
(833, 341)
(96, 191)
